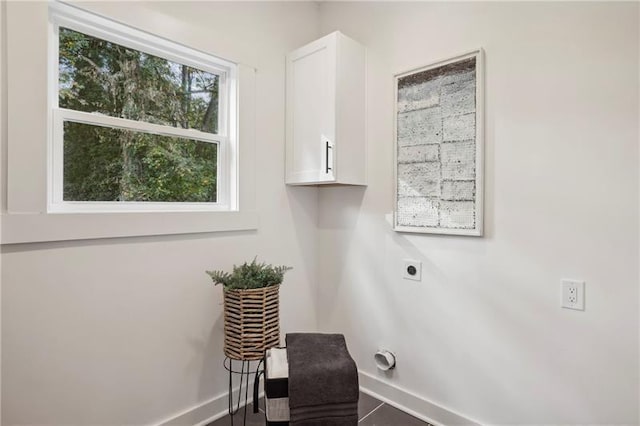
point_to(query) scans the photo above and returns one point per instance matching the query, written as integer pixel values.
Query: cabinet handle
(326, 153)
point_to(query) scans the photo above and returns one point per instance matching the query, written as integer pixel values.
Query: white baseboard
(200, 414)
(206, 412)
(411, 403)
(417, 406)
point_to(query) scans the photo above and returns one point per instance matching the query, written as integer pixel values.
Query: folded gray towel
(302, 415)
(328, 421)
(323, 380)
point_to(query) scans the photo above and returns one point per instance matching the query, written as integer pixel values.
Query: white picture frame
(438, 149)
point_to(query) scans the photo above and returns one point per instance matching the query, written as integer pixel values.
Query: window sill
(31, 228)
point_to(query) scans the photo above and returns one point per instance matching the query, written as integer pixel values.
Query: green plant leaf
(250, 275)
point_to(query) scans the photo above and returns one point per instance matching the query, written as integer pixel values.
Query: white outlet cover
(573, 294)
(416, 264)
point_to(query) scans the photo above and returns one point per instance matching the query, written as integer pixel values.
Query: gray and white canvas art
(438, 162)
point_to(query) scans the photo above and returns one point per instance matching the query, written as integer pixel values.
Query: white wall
(3, 133)
(483, 333)
(129, 331)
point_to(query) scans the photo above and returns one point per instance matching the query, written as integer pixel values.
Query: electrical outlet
(412, 270)
(573, 294)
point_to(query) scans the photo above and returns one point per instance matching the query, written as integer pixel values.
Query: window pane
(100, 76)
(108, 164)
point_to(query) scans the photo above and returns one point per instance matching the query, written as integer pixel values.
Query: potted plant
(251, 308)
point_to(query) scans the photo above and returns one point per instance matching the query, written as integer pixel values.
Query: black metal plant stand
(244, 373)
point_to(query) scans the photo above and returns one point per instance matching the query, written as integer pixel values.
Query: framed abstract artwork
(438, 149)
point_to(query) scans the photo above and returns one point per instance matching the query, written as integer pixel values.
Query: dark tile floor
(371, 412)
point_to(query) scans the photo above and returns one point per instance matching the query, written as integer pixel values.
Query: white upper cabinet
(326, 141)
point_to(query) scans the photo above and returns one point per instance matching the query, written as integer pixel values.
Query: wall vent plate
(412, 270)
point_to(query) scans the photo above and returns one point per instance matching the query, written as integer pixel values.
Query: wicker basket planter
(251, 322)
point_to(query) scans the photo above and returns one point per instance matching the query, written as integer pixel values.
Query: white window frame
(62, 15)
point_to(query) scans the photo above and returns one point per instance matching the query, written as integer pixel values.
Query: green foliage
(250, 275)
(103, 164)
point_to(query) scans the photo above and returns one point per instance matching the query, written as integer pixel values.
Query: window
(138, 122)
(36, 208)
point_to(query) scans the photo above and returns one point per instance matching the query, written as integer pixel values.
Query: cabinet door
(311, 86)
